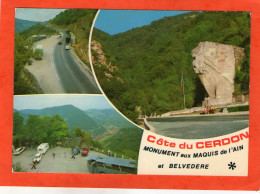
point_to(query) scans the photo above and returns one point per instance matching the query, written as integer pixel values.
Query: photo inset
(51, 51)
(72, 134)
(181, 74)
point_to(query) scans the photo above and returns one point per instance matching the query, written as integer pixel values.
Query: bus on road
(100, 164)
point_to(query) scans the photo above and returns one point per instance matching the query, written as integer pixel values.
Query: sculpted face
(199, 65)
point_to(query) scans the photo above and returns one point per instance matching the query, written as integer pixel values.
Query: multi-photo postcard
(134, 95)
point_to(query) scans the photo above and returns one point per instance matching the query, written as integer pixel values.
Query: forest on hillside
(126, 142)
(21, 25)
(24, 81)
(36, 129)
(79, 22)
(50, 129)
(70, 16)
(143, 68)
(38, 29)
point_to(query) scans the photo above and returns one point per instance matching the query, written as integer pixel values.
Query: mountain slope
(39, 29)
(126, 142)
(109, 118)
(21, 25)
(77, 21)
(72, 115)
(141, 69)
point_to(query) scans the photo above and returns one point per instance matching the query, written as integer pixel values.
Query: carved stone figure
(215, 64)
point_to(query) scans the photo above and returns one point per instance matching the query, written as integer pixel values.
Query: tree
(24, 81)
(151, 59)
(59, 129)
(18, 122)
(38, 130)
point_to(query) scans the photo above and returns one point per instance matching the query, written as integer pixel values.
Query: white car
(18, 151)
(67, 47)
(37, 157)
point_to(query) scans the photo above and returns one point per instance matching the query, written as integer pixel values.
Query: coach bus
(100, 164)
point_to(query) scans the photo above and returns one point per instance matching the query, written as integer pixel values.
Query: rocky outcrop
(97, 47)
(98, 58)
(215, 64)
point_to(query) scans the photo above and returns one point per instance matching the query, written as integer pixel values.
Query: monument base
(216, 102)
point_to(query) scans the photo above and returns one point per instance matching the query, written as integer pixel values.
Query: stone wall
(148, 126)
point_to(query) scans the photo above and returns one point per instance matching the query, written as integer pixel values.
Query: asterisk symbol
(232, 165)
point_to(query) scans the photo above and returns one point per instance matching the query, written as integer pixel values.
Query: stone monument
(215, 64)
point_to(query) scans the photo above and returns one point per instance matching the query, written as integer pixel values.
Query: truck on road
(38, 53)
(68, 38)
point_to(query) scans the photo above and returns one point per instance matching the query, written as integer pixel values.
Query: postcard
(161, 97)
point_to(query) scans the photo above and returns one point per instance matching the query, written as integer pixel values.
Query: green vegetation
(37, 130)
(51, 129)
(77, 21)
(149, 61)
(21, 25)
(126, 142)
(38, 54)
(86, 139)
(24, 81)
(238, 108)
(38, 29)
(109, 118)
(18, 168)
(73, 116)
(70, 16)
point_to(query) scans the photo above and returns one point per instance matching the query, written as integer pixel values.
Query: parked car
(37, 157)
(67, 47)
(75, 151)
(59, 43)
(18, 151)
(84, 151)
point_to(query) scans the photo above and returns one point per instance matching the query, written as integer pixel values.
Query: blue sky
(117, 21)
(110, 21)
(35, 14)
(83, 102)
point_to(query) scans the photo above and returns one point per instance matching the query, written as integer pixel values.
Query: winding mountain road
(59, 71)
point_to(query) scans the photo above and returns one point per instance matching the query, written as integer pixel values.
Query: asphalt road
(199, 127)
(44, 70)
(72, 78)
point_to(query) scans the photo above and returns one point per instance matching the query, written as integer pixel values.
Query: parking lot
(60, 163)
